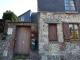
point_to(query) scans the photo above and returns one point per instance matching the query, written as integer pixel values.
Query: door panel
(22, 45)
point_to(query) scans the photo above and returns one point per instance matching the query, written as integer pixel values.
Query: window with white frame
(70, 5)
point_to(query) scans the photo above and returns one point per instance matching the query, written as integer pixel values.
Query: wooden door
(22, 45)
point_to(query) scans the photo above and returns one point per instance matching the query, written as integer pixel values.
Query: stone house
(56, 28)
(59, 29)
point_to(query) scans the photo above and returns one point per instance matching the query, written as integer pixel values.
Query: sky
(17, 6)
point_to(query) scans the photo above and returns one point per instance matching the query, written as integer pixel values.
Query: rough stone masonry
(57, 50)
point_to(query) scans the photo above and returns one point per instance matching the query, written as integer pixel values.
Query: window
(70, 5)
(52, 32)
(71, 31)
(22, 18)
(74, 31)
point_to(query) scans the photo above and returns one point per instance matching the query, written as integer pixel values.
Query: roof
(51, 5)
(28, 18)
(54, 6)
(34, 17)
(24, 13)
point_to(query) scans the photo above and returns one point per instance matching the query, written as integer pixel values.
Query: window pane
(67, 8)
(71, 31)
(70, 26)
(72, 4)
(66, 1)
(72, 1)
(76, 31)
(71, 34)
(72, 8)
(75, 26)
(66, 4)
(76, 34)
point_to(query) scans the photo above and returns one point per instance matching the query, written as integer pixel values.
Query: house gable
(25, 17)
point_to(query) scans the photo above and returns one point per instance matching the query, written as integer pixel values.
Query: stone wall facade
(57, 50)
(7, 46)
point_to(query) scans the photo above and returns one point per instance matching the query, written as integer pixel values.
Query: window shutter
(52, 32)
(66, 31)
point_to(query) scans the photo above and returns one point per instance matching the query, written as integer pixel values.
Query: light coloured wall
(52, 48)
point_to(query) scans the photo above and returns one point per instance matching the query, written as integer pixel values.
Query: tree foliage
(9, 15)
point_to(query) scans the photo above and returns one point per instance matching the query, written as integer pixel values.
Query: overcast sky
(17, 6)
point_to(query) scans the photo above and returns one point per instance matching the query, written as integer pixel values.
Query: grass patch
(20, 56)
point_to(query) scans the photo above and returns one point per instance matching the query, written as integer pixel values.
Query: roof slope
(54, 5)
(51, 5)
(34, 17)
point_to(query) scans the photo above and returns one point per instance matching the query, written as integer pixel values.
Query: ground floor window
(74, 31)
(71, 31)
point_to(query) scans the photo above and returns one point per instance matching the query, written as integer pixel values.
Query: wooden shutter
(52, 32)
(66, 31)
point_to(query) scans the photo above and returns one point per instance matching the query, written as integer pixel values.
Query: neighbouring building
(21, 41)
(59, 29)
(25, 17)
